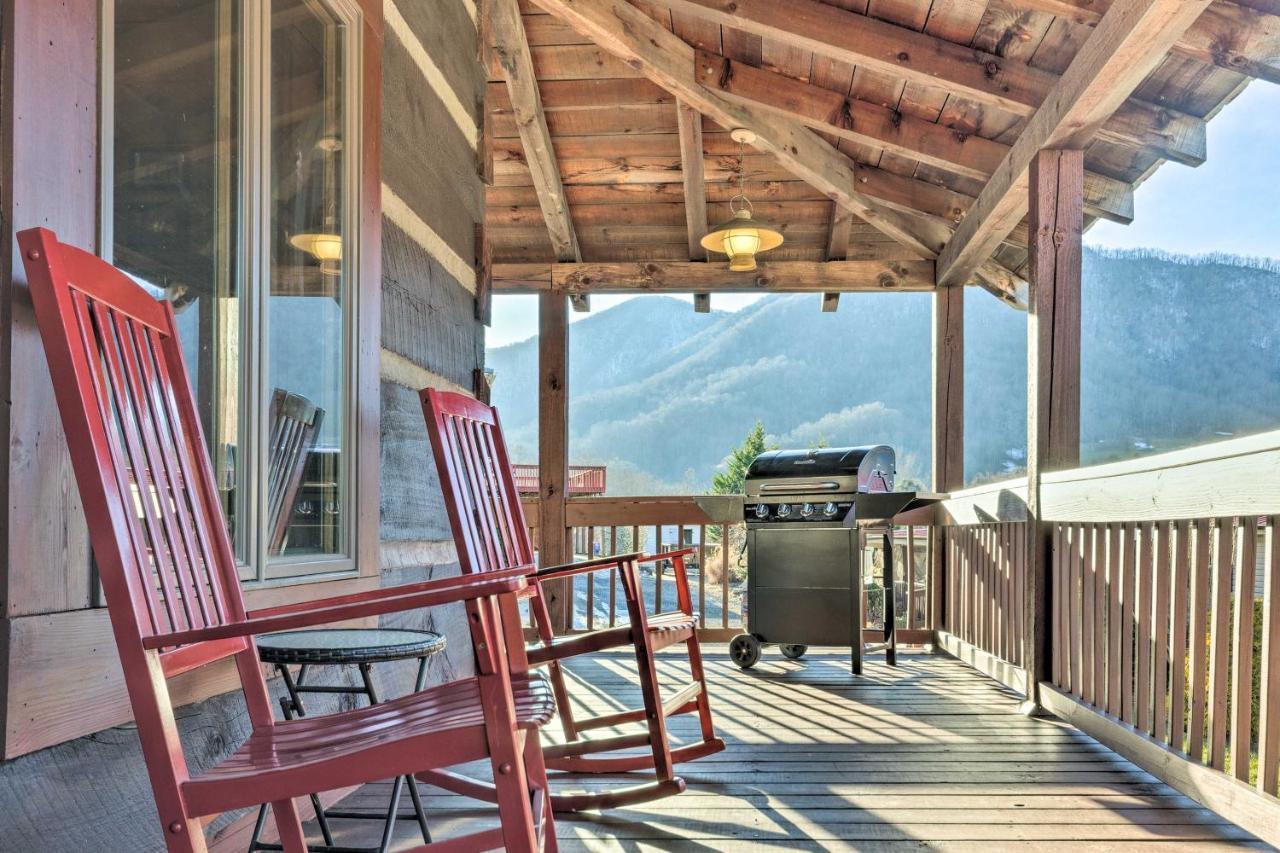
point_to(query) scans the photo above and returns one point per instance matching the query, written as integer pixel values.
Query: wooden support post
(948, 426)
(1053, 374)
(948, 389)
(553, 450)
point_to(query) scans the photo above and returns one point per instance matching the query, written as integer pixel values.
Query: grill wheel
(744, 650)
(792, 651)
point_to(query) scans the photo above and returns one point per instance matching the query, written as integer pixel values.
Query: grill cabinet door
(799, 584)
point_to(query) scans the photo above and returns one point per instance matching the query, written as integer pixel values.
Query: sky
(1231, 203)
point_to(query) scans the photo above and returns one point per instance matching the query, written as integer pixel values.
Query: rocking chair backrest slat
(154, 517)
(479, 488)
(295, 424)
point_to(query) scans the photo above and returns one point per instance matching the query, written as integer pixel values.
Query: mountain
(1174, 351)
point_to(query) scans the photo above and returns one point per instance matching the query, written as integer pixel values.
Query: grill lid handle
(801, 488)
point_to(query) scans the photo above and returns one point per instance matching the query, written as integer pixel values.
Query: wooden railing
(1154, 623)
(1161, 617)
(985, 586)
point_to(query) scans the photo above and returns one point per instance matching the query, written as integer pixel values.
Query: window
(231, 150)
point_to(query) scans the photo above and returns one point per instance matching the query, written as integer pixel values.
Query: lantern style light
(325, 247)
(742, 237)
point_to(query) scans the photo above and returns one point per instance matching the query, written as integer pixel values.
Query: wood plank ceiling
(924, 98)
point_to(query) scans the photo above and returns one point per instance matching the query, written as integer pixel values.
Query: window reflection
(307, 358)
(175, 213)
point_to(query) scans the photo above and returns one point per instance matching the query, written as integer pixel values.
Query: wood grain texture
(1131, 39)
(918, 58)
(1053, 371)
(691, 176)
(1269, 686)
(877, 126)
(929, 754)
(948, 389)
(667, 60)
(553, 451)
(48, 145)
(1227, 34)
(1226, 796)
(683, 277)
(511, 51)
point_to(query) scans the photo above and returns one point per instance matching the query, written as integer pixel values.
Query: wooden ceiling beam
(871, 124)
(655, 52)
(511, 52)
(1227, 35)
(695, 277)
(983, 78)
(691, 172)
(642, 164)
(1130, 40)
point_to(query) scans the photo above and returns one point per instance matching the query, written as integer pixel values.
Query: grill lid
(873, 465)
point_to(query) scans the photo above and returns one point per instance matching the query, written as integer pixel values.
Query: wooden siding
(430, 180)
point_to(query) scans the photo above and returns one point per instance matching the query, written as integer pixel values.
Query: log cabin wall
(74, 777)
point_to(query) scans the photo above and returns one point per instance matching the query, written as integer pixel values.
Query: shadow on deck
(928, 755)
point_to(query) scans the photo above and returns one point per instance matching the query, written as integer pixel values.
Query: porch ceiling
(885, 120)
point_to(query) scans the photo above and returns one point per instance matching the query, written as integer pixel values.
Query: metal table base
(292, 706)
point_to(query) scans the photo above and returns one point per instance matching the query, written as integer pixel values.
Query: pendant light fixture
(742, 237)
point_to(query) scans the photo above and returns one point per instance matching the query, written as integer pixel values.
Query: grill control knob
(784, 510)
(806, 510)
(762, 511)
(829, 509)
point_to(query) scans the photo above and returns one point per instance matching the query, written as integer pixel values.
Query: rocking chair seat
(670, 628)
(416, 732)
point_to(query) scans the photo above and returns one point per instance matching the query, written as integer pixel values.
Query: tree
(732, 480)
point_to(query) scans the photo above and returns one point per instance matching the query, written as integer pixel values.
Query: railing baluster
(657, 569)
(1199, 637)
(1220, 643)
(1269, 710)
(910, 566)
(1115, 669)
(1242, 651)
(1128, 595)
(1143, 625)
(591, 581)
(702, 575)
(613, 577)
(724, 577)
(1181, 544)
(1085, 551)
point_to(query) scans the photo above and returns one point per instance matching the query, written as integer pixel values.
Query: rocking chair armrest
(666, 555)
(325, 611)
(443, 584)
(595, 564)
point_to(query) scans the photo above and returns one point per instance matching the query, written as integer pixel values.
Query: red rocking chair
(490, 532)
(175, 603)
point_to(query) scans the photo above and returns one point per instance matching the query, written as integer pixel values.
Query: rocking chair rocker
(169, 572)
(490, 531)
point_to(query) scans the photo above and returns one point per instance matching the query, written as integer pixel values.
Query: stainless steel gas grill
(810, 516)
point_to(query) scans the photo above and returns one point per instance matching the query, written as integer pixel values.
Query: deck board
(930, 755)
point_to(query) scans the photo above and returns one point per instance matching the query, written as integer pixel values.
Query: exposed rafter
(983, 78)
(838, 234)
(1131, 39)
(695, 191)
(657, 53)
(1218, 37)
(685, 277)
(511, 48)
(880, 127)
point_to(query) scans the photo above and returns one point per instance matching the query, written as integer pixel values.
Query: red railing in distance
(583, 479)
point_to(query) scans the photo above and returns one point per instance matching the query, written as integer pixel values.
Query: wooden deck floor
(930, 755)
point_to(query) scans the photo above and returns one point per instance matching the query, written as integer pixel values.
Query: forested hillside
(1174, 351)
